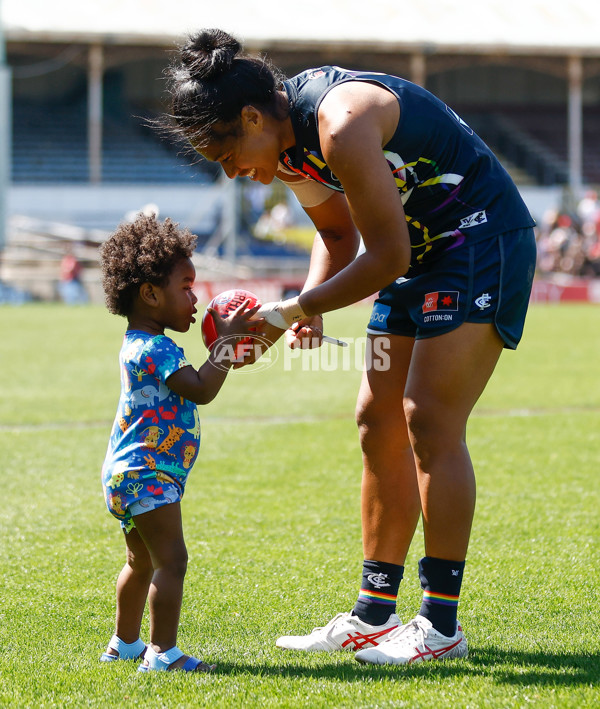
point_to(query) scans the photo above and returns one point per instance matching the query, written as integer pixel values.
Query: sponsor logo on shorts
(380, 315)
(439, 306)
(483, 301)
(474, 219)
(441, 300)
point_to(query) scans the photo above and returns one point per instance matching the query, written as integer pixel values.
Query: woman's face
(254, 152)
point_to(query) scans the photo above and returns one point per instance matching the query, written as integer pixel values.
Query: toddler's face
(178, 306)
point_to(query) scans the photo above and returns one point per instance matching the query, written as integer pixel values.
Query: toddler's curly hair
(143, 251)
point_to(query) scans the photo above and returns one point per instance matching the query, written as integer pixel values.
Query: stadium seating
(50, 145)
(535, 138)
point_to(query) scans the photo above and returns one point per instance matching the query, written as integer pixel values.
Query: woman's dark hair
(211, 80)
(143, 251)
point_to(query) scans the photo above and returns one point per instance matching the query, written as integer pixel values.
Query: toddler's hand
(239, 323)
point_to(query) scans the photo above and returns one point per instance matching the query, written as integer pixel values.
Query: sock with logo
(378, 592)
(441, 580)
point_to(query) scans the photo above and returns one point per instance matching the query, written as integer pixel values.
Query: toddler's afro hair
(143, 251)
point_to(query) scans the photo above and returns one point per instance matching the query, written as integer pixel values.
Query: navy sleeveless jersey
(453, 189)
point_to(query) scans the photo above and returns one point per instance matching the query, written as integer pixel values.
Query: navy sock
(378, 592)
(441, 580)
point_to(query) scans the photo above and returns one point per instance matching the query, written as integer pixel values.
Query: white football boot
(344, 632)
(414, 642)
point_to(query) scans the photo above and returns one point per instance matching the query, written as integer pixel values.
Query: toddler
(148, 278)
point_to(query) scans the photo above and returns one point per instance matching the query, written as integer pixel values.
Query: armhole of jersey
(309, 192)
(375, 82)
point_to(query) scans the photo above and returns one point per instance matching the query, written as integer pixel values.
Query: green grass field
(271, 518)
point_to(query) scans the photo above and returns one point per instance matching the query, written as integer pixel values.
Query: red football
(224, 304)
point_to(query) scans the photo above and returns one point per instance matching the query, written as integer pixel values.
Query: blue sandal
(127, 651)
(163, 661)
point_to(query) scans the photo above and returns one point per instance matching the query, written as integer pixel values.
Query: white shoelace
(330, 626)
(408, 632)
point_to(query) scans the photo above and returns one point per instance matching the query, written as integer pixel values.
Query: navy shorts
(487, 282)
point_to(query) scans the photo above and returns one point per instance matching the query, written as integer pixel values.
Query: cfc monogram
(483, 301)
(378, 580)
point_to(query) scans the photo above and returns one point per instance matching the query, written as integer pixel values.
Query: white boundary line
(282, 420)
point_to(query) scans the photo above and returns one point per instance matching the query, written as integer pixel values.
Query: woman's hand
(306, 334)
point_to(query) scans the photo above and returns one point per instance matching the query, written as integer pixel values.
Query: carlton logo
(441, 300)
(378, 580)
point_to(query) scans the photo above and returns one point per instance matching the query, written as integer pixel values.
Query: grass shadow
(517, 667)
(509, 667)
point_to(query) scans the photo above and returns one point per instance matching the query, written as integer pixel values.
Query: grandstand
(525, 75)
(57, 151)
(131, 153)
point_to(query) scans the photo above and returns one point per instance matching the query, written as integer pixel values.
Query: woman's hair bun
(209, 54)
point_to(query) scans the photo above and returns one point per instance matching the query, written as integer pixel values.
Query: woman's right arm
(336, 241)
(335, 246)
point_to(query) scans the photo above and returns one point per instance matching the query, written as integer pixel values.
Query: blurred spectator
(72, 290)
(148, 210)
(589, 208)
(570, 243)
(273, 223)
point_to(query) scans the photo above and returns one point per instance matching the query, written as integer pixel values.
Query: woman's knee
(432, 429)
(368, 419)
(379, 426)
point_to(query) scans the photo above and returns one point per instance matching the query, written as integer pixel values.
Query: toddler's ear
(149, 294)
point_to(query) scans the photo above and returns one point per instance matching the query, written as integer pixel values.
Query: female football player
(449, 245)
